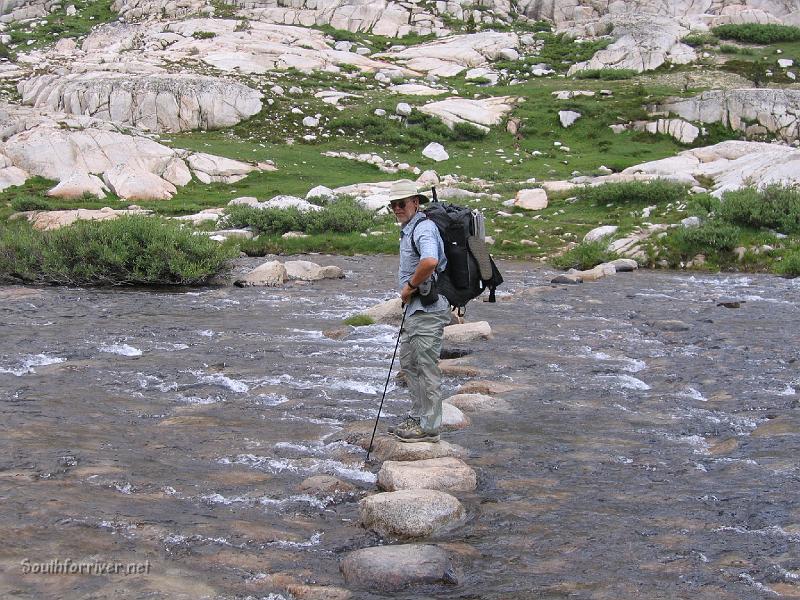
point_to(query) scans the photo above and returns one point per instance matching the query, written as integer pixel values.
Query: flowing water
(644, 458)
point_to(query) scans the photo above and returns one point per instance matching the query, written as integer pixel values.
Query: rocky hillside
(520, 108)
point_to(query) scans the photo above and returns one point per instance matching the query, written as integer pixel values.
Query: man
(421, 337)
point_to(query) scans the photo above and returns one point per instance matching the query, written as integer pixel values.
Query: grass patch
(606, 74)
(697, 40)
(343, 215)
(130, 250)
(359, 320)
(755, 33)
(561, 51)
(89, 13)
(585, 256)
(637, 193)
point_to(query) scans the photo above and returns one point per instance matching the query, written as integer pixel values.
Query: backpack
(470, 269)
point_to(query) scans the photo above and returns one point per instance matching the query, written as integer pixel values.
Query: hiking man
(427, 313)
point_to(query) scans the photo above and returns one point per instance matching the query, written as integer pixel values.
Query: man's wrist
(411, 285)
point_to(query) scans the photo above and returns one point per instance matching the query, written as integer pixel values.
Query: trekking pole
(385, 387)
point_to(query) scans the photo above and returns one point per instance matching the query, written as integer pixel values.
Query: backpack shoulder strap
(411, 233)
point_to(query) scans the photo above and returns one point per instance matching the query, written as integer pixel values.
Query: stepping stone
(452, 367)
(473, 403)
(388, 447)
(445, 474)
(410, 513)
(491, 388)
(318, 592)
(453, 418)
(392, 568)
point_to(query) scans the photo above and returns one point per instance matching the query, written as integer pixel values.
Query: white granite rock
(435, 151)
(482, 114)
(137, 184)
(466, 333)
(410, 513)
(599, 233)
(77, 185)
(568, 117)
(445, 474)
(531, 199)
(270, 274)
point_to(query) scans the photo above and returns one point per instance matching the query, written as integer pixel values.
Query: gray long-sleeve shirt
(430, 245)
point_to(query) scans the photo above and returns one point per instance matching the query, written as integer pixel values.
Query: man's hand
(406, 293)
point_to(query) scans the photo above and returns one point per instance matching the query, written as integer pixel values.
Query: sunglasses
(401, 204)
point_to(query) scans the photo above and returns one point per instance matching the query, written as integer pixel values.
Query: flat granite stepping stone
(453, 418)
(410, 513)
(490, 388)
(473, 403)
(391, 568)
(387, 447)
(445, 474)
(454, 367)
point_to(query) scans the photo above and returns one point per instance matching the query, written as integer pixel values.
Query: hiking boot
(404, 423)
(415, 433)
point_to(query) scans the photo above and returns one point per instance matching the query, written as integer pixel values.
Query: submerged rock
(323, 485)
(446, 474)
(393, 568)
(410, 513)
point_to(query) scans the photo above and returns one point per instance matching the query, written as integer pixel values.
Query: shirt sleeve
(427, 238)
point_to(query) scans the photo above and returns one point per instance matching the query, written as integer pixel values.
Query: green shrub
(775, 207)
(343, 215)
(755, 33)
(125, 251)
(359, 320)
(633, 192)
(712, 236)
(24, 203)
(789, 266)
(561, 51)
(728, 49)
(203, 35)
(606, 74)
(585, 256)
(700, 39)
(467, 132)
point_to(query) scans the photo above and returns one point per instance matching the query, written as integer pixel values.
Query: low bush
(203, 35)
(585, 256)
(606, 74)
(633, 192)
(560, 50)
(711, 237)
(25, 203)
(130, 250)
(755, 33)
(774, 207)
(789, 266)
(700, 39)
(343, 215)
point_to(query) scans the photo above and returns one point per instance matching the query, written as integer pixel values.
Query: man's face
(404, 209)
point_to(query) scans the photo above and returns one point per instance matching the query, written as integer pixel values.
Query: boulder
(137, 184)
(531, 199)
(446, 474)
(410, 513)
(392, 568)
(435, 151)
(453, 419)
(204, 216)
(304, 270)
(77, 185)
(403, 109)
(284, 201)
(482, 114)
(389, 312)
(776, 110)
(568, 117)
(601, 232)
(270, 274)
(156, 102)
(475, 403)
(642, 43)
(11, 176)
(47, 220)
(572, 279)
(624, 265)
(209, 168)
(320, 192)
(415, 89)
(467, 333)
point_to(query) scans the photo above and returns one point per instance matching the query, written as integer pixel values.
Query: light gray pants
(420, 346)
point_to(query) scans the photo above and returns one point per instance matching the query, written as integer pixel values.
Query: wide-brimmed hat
(405, 188)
